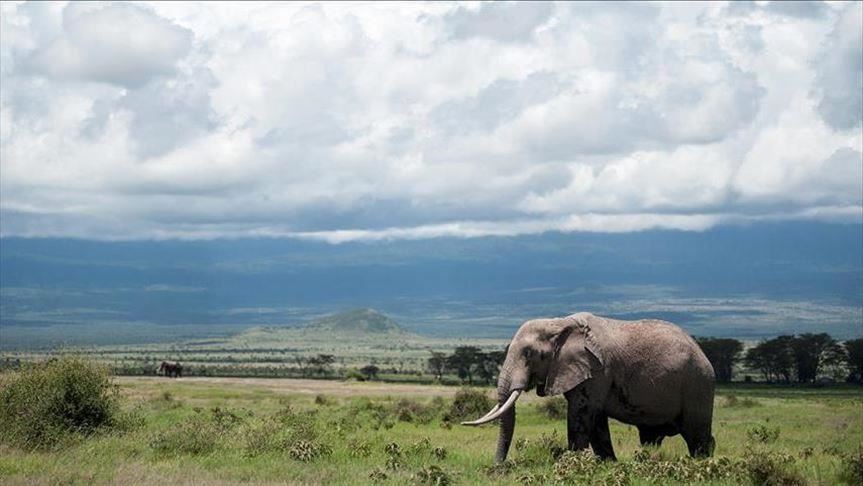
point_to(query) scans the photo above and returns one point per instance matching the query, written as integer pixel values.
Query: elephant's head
(553, 355)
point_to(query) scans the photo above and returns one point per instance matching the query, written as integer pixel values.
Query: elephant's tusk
(493, 410)
(510, 402)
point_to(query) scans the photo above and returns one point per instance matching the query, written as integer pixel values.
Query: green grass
(817, 430)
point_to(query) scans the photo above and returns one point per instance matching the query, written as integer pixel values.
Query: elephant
(171, 369)
(647, 373)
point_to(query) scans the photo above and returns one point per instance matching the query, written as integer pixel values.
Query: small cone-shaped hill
(357, 321)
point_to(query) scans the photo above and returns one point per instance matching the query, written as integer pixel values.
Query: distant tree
(808, 351)
(321, 363)
(462, 362)
(773, 358)
(722, 354)
(302, 365)
(437, 364)
(834, 361)
(370, 371)
(854, 351)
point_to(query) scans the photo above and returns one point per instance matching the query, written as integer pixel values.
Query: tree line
(469, 363)
(801, 358)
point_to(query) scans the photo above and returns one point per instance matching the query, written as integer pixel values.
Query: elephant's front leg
(600, 439)
(579, 421)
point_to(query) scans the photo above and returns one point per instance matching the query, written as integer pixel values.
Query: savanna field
(70, 422)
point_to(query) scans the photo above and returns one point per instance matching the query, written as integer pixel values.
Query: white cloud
(115, 43)
(340, 121)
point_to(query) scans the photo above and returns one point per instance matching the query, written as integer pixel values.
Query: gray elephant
(646, 373)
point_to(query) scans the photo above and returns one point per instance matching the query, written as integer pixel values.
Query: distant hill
(357, 321)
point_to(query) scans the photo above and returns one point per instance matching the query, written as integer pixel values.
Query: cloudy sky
(351, 121)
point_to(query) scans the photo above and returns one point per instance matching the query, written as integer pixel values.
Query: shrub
(433, 475)
(421, 446)
(571, 465)
(763, 434)
(468, 404)
(322, 400)
(377, 475)
(771, 469)
(44, 404)
(852, 468)
(406, 410)
(544, 450)
(287, 431)
(554, 408)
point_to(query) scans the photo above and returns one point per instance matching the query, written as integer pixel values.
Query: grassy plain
(211, 431)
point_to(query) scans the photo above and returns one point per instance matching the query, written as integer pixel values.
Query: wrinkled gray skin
(646, 373)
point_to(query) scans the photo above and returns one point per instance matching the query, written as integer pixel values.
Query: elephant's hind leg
(600, 438)
(650, 436)
(699, 440)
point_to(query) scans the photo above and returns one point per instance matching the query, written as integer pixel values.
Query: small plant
(439, 453)
(412, 411)
(358, 448)
(763, 434)
(322, 400)
(304, 450)
(419, 447)
(554, 408)
(468, 403)
(572, 464)
(433, 475)
(500, 469)
(852, 468)
(771, 469)
(377, 475)
(394, 456)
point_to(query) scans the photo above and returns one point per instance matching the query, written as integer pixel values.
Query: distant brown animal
(171, 369)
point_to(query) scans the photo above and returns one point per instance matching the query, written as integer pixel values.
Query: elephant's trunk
(510, 385)
(507, 420)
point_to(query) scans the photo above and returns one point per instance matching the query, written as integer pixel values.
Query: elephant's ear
(576, 354)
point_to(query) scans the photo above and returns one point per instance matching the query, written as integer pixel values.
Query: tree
(321, 363)
(462, 362)
(437, 364)
(854, 351)
(370, 371)
(834, 361)
(722, 354)
(773, 358)
(808, 352)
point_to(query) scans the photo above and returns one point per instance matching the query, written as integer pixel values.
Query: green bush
(766, 468)
(763, 434)
(852, 468)
(288, 431)
(433, 475)
(407, 410)
(45, 404)
(554, 408)
(468, 404)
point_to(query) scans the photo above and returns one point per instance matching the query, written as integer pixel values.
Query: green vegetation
(44, 405)
(190, 431)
